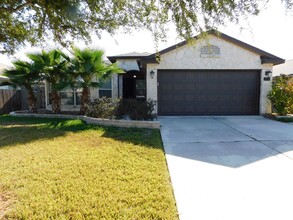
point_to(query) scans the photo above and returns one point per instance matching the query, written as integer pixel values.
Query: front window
(105, 89)
(68, 96)
(140, 89)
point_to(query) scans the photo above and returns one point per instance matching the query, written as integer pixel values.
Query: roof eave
(4, 78)
(274, 61)
(147, 61)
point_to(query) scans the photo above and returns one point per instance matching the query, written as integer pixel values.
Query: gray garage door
(208, 92)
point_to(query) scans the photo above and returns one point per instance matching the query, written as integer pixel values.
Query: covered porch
(131, 84)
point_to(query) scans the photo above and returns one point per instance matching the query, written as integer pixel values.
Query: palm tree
(54, 66)
(24, 74)
(87, 65)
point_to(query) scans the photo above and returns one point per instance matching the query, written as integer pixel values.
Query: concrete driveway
(230, 168)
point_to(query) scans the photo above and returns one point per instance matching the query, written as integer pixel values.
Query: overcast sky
(271, 31)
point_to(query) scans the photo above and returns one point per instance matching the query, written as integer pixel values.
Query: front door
(128, 88)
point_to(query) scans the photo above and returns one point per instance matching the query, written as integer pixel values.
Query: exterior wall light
(152, 74)
(268, 75)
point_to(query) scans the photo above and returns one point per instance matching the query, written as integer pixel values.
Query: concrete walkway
(230, 168)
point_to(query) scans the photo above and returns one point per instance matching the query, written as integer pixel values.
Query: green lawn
(65, 169)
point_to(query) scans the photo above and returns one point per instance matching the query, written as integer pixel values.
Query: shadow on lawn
(23, 130)
(138, 136)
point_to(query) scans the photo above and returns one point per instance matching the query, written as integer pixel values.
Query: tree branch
(18, 8)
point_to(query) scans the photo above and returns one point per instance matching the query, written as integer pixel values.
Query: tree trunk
(32, 101)
(56, 102)
(85, 98)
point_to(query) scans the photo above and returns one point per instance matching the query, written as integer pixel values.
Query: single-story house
(216, 76)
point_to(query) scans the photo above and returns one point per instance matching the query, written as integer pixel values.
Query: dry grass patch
(5, 204)
(64, 169)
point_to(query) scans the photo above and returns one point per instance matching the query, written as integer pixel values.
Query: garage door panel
(190, 76)
(167, 87)
(166, 77)
(179, 77)
(201, 86)
(190, 98)
(183, 87)
(203, 92)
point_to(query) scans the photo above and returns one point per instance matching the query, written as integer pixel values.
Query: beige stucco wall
(231, 57)
(265, 87)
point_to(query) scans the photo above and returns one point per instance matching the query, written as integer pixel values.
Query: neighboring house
(218, 76)
(19, 101)
(284, 68)
(3, 78)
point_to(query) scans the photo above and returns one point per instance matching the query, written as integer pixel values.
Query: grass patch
(65, 169)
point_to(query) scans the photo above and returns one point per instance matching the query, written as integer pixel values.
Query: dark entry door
(208, 92)
(128, 88)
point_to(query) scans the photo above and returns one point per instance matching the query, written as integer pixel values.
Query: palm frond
(89, 64)
(95, 84)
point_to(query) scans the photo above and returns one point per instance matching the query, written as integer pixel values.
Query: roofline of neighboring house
(265, 56)
(3, 78)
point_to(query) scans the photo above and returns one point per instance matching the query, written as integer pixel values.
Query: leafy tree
(90, 71)
(281, 95)
(33, 20)
(24, 74)
(54, 66)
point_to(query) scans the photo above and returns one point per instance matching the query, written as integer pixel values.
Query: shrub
(120, 108)
(281, 95)
(136, 109)
(103, 108)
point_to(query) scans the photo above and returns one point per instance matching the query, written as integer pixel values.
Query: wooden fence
(10, 100)
(14, 100)
(39, 91)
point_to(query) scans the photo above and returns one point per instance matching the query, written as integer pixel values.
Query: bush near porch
(120, 108)
(65, 169)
